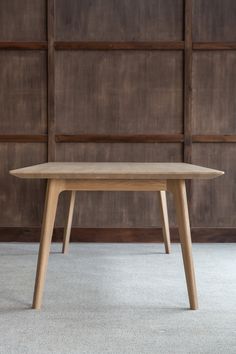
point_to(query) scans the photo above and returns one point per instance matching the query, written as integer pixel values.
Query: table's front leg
(178, 188)
(52, 193)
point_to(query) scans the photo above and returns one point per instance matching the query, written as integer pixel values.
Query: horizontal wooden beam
(23, 45)
(72, 45)
(32, 234)
(124, 138)
(23, 138)
(214, 45)
(214, 138)
(119, 45)
(109, 138)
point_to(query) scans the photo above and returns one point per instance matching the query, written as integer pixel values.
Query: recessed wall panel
(23, 92)
(21, 200)
(214, 201)
(214, 89)
(119, 20)
(214, 20)
(119, 92)
(23, 20)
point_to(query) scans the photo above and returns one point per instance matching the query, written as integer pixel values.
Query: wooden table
(115, 176)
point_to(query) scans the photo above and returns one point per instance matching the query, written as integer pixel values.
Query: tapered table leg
(52, 193)
(67, 229)
(164, 220)
(179, 190)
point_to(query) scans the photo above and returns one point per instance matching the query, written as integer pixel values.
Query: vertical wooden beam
(188, 82)
(188, 44)
(51, 80)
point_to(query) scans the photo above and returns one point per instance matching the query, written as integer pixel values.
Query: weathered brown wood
(22, 20)
(174, 138)
(119, 45)
(23, 100)
(214, 90)
(111, 20)
(202, 235)
(163, 215)
(17, 138)
(128, 138)
(215, 204)
(51, 79)
(214, 20)
(153, 27)
(119, 92)
(188, 82)
(18, 208)
(23, 45)
(214, 138)
(187, 119)
(214, 45)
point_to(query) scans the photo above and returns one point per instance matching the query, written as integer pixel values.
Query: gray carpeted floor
(118, 298)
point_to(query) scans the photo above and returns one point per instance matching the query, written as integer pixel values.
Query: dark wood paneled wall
(118, 80)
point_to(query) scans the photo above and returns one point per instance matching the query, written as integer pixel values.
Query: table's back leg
(179, 190)
(164, 220)
(52, 193)
(67, 229)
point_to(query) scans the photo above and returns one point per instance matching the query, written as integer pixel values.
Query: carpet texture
(118, 298)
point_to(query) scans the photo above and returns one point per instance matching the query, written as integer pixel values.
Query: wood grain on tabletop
(116, 170)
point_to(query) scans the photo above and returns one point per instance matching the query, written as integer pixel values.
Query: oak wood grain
(116, 171)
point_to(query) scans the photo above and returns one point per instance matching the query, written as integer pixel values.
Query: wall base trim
(26, 234)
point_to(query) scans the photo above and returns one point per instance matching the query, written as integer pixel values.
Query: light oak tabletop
(116, 170)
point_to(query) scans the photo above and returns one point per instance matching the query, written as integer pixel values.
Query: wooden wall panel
(21, 200)
(23, 92)
(22, 20)
(119, 92)
(124, 77)
(214, 87)
(103, 209)
(214, 20)
(119, 20)
(214, 203)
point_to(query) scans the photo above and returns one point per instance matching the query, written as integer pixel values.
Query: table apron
(111, 185)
